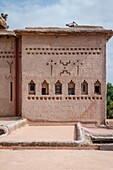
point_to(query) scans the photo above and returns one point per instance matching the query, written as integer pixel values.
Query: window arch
(31, 87)
(97, 87)
(45, 88)
(71, 88)
(58, 87)
(84, 87)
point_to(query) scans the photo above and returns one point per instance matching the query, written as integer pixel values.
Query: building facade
(52, 74)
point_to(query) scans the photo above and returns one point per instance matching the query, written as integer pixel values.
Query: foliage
(109, 100)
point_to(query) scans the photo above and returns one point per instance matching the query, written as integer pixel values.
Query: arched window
(97, 87)
(71, 88)
(58, 87)
(31, 87)
(84, 87)
(45, 88)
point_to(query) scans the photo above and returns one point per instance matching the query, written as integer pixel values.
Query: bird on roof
(73, 24)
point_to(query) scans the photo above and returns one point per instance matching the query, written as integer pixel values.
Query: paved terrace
(54, 136)
(52, 159)
(56, 160)
(30, 133)
(51, 133)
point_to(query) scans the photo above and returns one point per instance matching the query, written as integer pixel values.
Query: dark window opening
(45, 88)
(44, 91)
(31, 87)
(97, 87)
(58, 90)
(71, 91)
(84, 88)
(71, 88)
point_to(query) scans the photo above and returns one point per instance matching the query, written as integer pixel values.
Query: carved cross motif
(10, 65)
(65, 70)
(78, 64)
(8, 77)
(10, 70)
(51, 63)
(65, 64)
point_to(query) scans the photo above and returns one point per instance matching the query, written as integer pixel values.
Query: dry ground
(53, 159)
(30, 133)
(56, 160)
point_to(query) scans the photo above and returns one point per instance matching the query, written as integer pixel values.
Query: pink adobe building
(52, 74)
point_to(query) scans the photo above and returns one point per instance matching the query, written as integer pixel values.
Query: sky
(23, 13)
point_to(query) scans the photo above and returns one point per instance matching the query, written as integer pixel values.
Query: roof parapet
(76, 30)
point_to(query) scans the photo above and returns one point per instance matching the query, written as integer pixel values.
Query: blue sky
(19, 2)
(24, 13)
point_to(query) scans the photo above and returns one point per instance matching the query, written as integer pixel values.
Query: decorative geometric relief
(51, 64)
(65, 64)
(10, 70)
(10, 65)
(9, 77)
(65, 70)
(78, 64)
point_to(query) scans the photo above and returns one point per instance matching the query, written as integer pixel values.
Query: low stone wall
(10, 127)
(81, 138)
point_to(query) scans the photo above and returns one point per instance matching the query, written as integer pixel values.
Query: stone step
(107, 147)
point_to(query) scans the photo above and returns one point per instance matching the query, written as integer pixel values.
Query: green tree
(109, 100)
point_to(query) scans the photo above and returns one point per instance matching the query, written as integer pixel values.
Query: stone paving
(56, 160)
(29, 133)
(63, 133)
(34, 159)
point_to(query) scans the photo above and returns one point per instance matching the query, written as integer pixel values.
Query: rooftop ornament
(73, 24)
(3, 18)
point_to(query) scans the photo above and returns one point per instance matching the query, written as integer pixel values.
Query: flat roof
(76, 30)
(7, 33)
